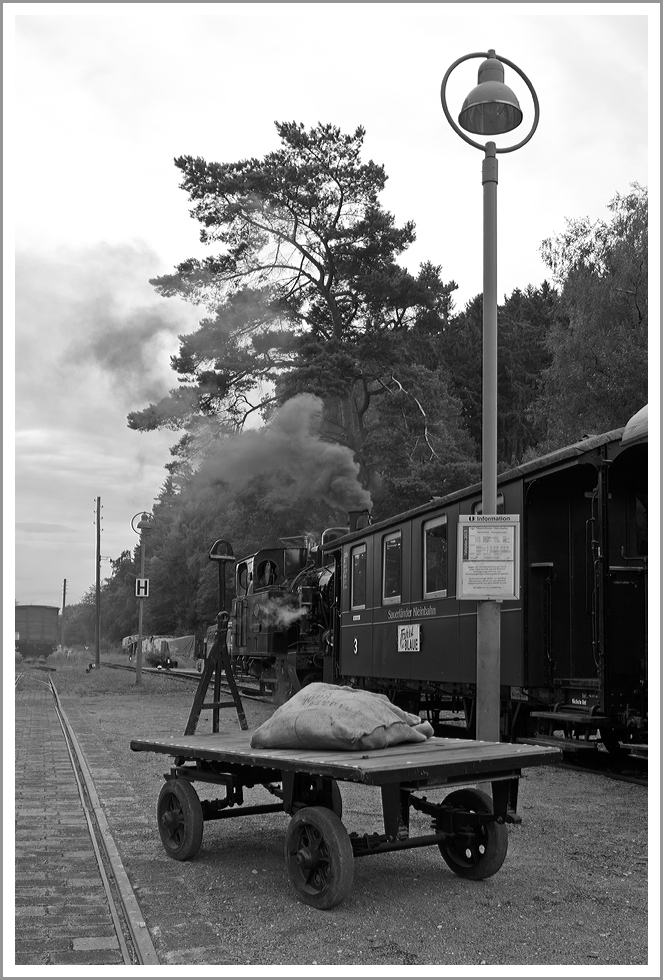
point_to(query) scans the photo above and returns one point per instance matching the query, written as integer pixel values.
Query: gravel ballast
(572, 891)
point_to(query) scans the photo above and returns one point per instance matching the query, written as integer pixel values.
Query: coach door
(559, 642)
(626, 585)
(357, 600)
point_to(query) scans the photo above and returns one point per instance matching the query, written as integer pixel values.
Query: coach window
(358, 582)
(435, 558)
(391, 568)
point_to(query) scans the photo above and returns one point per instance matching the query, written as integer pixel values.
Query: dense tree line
(597, 375)
(325, 377)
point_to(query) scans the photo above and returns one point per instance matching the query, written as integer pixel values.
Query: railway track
(629, 768)
(133, 937)
(638, 774)
(246, 689)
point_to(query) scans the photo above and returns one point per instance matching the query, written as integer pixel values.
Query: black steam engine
(282, 620)
(573, 644)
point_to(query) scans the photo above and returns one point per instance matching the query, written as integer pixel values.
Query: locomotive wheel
(318, 856)
(180, 819)
(480, 853)
(313, 677)
(618, 755)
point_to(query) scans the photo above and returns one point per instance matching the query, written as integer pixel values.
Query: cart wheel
(480, 853)
(180, 819)
(318, 856)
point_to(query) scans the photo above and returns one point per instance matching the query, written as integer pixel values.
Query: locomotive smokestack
(358, 519)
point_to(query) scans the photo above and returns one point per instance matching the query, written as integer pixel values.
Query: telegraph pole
(64, 601)
(97, 631)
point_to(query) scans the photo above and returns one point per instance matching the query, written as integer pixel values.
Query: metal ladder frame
(217, 661)
(218, 658)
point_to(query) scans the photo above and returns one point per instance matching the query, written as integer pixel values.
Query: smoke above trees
(368, 383)
(292, 446)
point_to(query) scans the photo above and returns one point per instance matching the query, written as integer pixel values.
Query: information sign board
(488, 564)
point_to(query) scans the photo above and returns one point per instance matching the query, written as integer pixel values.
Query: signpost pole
(139, 649)
(145, 524)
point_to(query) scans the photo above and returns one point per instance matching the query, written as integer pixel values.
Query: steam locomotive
(573, 641)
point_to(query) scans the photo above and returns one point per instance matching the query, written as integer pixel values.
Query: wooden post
(97, 604)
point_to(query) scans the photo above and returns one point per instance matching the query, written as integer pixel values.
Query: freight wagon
(37, 630)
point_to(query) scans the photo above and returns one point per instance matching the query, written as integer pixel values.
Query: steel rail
(133, 918)
(179, 675)
(627, 777)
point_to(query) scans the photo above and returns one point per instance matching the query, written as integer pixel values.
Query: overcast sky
(101, 97)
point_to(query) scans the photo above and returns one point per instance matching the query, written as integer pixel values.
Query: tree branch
(421, 409)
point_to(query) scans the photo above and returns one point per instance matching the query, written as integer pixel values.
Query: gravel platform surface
(572, 892)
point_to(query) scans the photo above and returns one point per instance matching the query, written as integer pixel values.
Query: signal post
(142, 586)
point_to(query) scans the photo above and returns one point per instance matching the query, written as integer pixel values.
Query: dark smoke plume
(291, 444)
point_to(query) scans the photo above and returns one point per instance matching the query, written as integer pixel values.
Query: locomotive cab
(280, 620)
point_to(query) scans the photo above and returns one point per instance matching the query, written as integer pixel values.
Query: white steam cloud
(275, 614)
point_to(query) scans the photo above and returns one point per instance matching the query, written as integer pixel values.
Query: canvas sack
(325, 716)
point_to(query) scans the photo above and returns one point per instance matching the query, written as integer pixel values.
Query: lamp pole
(490, 109)
(146, 523)
(488, 612)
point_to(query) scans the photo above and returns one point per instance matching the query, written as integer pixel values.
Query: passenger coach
(574, 642)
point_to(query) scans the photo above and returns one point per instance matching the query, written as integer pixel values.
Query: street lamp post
(490, 109)
(144, 525)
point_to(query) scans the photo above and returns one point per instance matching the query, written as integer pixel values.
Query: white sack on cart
(325, 716)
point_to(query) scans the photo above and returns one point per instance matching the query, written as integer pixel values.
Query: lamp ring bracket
(142, 514)
(454, 126)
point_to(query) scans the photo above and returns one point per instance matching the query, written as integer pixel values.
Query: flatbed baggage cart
(468, 827)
